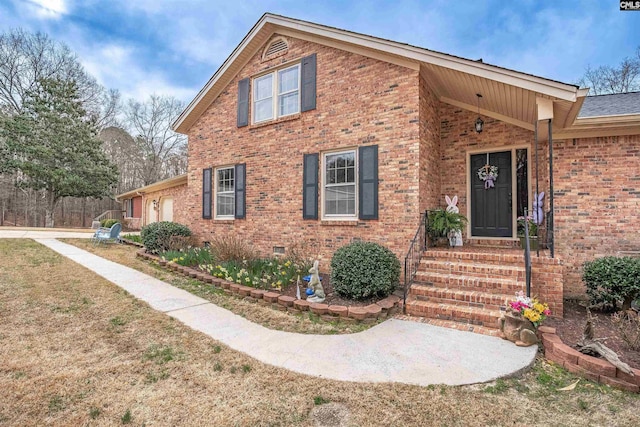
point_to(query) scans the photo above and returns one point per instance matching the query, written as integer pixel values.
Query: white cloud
(118, 66)
(49, 9)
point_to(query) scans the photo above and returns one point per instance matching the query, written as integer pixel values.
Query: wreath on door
(489, 174)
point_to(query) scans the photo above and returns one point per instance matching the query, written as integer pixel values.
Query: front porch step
(451, 324)
(504, 257)
(493, 285)
(450, 312)
(474, 269)
(489, 301)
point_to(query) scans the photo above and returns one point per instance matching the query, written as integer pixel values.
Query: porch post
(550, 219)
(537, 185)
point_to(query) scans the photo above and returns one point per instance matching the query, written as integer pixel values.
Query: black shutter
(206, 193)
(308, 78)
(368, 182)
(310, 187)
(240, 189)
(243, 102)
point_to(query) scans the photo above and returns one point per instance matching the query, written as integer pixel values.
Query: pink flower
(547, 312)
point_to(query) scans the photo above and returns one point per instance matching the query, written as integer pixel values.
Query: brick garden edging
(592, 368)
(382, 309)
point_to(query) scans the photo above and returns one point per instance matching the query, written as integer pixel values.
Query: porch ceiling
(500, 100)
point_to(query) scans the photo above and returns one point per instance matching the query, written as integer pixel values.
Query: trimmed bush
(611, 281)
(156, 236)
(364, 269)
(108, 223)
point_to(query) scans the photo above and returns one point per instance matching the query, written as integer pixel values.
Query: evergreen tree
(52, 144)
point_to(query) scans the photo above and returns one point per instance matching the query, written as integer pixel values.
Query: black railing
(414, 254)
(527, 255)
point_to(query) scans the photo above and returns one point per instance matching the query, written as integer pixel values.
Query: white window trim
(330, 217)
(274, 94)
(215, 192)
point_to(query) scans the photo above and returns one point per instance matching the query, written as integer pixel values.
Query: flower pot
(533, 242)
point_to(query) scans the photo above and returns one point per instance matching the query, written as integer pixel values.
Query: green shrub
(611, 281)
(364, 269)
(156, 236)
(108, 223)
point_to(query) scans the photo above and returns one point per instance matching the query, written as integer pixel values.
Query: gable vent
(277, 46)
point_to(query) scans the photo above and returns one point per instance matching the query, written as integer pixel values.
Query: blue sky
(173, 46)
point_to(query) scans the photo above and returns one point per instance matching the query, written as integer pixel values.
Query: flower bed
(592, 368)
(275, 299)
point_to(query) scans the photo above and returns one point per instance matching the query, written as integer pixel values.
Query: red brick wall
(597, 200)
(360, 101)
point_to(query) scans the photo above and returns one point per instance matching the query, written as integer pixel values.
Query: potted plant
(533, 232)
(443, 223)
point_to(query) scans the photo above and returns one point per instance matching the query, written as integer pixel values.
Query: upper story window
(276, 94)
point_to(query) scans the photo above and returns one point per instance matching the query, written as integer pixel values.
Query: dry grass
(77, 350)
(307, 323)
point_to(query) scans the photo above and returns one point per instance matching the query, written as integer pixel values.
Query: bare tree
(150, 122)
(26, 58)
(620, 79)
(122, 150)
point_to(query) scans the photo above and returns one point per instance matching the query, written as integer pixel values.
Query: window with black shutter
(206, 193)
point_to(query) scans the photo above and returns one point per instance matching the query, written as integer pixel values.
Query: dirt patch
(570, 328)
(330, 415)
(332, 297)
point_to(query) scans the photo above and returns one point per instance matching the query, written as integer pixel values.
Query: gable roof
(617, 104)
(508, 95)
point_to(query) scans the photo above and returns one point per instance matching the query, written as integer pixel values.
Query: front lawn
(78, 350)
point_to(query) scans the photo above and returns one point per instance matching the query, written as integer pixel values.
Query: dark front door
(491, 213)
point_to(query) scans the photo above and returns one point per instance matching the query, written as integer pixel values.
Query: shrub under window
(364, 269)
(156, 236)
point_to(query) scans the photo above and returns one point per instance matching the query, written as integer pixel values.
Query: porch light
(479, 123)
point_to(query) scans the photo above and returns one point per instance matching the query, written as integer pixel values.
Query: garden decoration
(538, 213)
(523, 316)
(455, 237)
(489, 174)
(315, 286)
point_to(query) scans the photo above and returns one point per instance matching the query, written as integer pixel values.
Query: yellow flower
(538, 307)
(284, 273)
(532, 315)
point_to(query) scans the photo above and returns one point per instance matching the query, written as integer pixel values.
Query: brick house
(313, 134)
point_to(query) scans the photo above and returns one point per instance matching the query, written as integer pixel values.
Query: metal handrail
(110, 214)
(418, 245)
(527, 255)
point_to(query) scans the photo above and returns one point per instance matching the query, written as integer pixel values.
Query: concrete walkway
(44, 233)
(393, 351)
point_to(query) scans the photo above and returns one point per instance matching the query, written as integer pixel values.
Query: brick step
(451, 324)
(498, 257)
(471, 268)
(484, 300)
(491, 285)
(461, 314)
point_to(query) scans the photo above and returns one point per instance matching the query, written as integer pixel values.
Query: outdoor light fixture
(155, 204)
(479, 123)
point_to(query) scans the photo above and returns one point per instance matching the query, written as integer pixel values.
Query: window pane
(288, 80)
(340, 200)
(263, 110)
(264, 87)
(225, 204)
(288, 104)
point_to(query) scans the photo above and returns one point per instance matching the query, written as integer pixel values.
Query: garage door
(166, 209)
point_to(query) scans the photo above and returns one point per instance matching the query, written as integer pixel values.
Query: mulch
(332, 297)
(570, 330)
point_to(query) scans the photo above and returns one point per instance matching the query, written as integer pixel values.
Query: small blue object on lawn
(107, 234)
